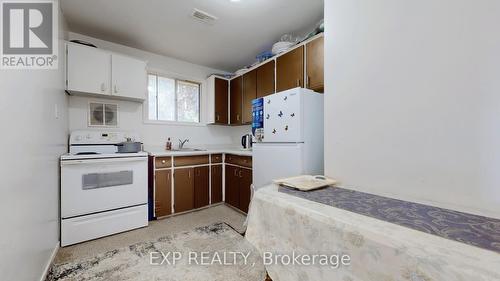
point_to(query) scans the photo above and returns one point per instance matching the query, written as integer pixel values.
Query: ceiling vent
(203, 16)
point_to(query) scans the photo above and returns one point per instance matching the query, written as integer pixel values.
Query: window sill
(173, 123)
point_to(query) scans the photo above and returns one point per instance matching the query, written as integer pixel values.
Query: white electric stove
(102, 192)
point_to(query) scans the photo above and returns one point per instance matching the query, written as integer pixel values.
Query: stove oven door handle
(103, 160)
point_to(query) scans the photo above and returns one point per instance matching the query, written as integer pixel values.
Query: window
(172, 99)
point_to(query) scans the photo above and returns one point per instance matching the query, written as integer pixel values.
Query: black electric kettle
(246, 141)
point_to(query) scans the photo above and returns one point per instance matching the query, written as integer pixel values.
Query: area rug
(213, 252)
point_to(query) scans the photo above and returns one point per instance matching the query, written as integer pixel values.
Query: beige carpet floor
(155, 230)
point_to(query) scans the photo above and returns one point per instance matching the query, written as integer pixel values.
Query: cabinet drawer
(163, 162)
(216, 158)
(190, 160)
(245, 161)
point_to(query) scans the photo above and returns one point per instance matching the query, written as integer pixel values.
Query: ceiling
(243, 29)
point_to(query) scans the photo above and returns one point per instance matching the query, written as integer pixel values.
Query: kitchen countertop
(160, 151)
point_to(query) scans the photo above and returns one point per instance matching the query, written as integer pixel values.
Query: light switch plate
(56, 111)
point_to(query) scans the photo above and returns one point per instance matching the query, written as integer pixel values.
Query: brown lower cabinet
(201, 186)
(216, 183)
(163, 193)
(191, 187)
(232, 186)
(238, 190)
(245, 188)
(183, 190)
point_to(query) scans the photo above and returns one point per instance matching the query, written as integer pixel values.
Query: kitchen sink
(189, 149)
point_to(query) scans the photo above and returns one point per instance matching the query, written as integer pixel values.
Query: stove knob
(88, 136)
(78, 138)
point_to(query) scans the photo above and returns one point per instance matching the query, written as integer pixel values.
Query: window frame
(175, 77)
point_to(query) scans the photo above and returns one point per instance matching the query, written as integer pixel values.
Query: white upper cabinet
(129, 77)
(88, 70)
(95, 72)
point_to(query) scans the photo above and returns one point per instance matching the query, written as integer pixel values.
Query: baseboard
(234, 208)
(49, 263)
(190, 211)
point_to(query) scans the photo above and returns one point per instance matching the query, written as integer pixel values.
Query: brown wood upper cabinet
(163, 193)
(249, 94)
(221, 87)
(315, 65)
(290, 69)
(265, 79)
(235, 86)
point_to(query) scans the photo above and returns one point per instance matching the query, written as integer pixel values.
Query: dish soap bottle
(169, 144)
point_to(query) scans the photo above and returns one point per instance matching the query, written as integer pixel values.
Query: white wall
(131, 113)
(413, 100)
(32, 140)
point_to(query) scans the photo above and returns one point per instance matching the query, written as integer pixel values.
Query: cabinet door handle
(103, 87)
(240, 174)
(218, 117)
(237, 117)
(189, 174)
(298, 82)
(116, 89)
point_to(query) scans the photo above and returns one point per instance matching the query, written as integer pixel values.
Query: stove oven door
(95, 185)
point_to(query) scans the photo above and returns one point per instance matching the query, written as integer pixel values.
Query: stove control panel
(101, 137)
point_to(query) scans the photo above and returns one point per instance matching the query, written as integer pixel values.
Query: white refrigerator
(288, 129)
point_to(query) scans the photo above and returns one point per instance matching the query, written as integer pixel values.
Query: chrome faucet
(182, 142)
